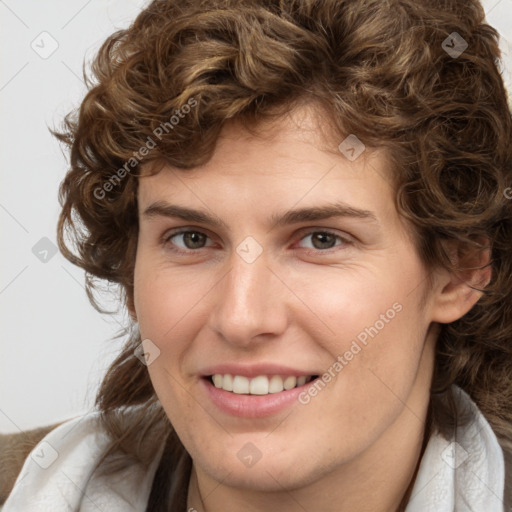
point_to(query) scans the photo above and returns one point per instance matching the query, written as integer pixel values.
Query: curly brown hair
(382, 70)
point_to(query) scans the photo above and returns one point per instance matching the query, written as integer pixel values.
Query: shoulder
(14, 449)
(60, 473)
(72, 444)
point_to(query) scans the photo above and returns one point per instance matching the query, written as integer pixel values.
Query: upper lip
(254, 370)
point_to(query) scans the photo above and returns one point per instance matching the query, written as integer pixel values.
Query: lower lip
(252, 406)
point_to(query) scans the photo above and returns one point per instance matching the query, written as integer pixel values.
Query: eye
(323, 240)
(191, 239)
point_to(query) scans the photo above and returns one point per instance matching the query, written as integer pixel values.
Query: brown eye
(190, 240)
(324, 240)
(193, 239)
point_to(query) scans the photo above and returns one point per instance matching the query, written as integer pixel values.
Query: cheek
(162, 303)
(163, 298)
(354, 305)
(171, 309)
(376, 334)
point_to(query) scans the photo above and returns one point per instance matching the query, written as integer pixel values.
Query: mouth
(260, 385)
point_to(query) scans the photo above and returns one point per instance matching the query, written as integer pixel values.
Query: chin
(264, 478)
(268, 474)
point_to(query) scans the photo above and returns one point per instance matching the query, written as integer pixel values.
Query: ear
(455, 294)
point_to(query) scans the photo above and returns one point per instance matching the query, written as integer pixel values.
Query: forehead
(292, 161)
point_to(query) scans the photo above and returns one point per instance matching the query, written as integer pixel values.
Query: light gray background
(54, 346)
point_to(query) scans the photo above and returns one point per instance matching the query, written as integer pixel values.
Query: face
(296, 289)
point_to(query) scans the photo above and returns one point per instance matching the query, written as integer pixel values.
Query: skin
(357, 444)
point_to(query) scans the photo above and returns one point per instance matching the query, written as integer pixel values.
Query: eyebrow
(327, 211)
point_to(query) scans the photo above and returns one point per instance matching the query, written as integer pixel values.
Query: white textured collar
(463, 474)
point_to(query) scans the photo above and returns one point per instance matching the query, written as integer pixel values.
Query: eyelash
(168, 236)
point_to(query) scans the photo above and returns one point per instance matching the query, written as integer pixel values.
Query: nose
(250, 303)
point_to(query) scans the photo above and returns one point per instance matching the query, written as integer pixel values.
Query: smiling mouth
(260, 385)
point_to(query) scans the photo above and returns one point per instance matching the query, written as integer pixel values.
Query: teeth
(227, 382)
(260, 385)
(240, 385)
(290, 382)
(275, 384)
